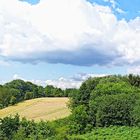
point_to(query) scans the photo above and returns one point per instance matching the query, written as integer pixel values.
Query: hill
(39, 109)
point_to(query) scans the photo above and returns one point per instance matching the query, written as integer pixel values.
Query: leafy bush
(111, 133)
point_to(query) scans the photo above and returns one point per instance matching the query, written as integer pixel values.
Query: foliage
(113, 110)
(11, 128)
(28, 95)
(82, 96)
(9, 125)
(110, 100)
(111, 133)
(79, 119)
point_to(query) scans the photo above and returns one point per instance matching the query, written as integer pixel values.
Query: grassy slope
(40, 108)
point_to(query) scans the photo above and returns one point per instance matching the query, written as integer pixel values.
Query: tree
(108, 88)
(49, 91)
(28, 95)
(13, 100)
(5, 96)
(82, 96)
(113, 109)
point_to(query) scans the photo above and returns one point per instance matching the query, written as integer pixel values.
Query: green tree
(28, 95)
(113, 109)
(13, 100)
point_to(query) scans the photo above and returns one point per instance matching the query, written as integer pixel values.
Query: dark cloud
(86, 56)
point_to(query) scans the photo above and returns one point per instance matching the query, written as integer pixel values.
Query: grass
(39, 109)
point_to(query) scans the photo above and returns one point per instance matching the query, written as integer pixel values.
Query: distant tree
(49, 91)
(41, 91)
(28, 95)
(5, 96)
(13, 100)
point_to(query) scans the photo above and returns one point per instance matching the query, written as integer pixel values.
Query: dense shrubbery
(111, 133)
(11, 128)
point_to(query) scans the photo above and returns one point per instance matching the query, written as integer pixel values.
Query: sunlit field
(39, 109)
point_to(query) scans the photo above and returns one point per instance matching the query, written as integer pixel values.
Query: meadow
(39, 109)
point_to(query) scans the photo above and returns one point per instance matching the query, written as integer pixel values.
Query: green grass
(111, 133)
(39, 109)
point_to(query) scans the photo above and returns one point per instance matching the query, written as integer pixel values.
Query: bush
(9, 126)
(79, 119)
(111, 133)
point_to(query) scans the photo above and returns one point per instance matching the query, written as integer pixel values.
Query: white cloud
(37, 82)
(113, 3)
(67, 31)
(16, 76)
(115, 7)
(134, 70)
(62, 82)
(120, 11)
(4, 63)
(72, 82)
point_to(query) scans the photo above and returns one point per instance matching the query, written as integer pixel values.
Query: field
(39, 109)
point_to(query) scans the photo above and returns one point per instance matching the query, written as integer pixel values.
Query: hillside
(40, 108)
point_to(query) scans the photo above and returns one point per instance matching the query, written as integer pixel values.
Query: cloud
(74, 81)
(4, 63)
(68, 32)
(134, 70)
(120, 11)
(113, 3)
(37, 82)
(16, 76)
(85, 76)
(64, 83)
(115, 7)
(61, 82)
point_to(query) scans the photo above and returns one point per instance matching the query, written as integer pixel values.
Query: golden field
(39, 109)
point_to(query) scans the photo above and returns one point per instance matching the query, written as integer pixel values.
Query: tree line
(19, 90)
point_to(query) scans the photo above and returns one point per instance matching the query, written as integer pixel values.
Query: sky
(64, 42)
